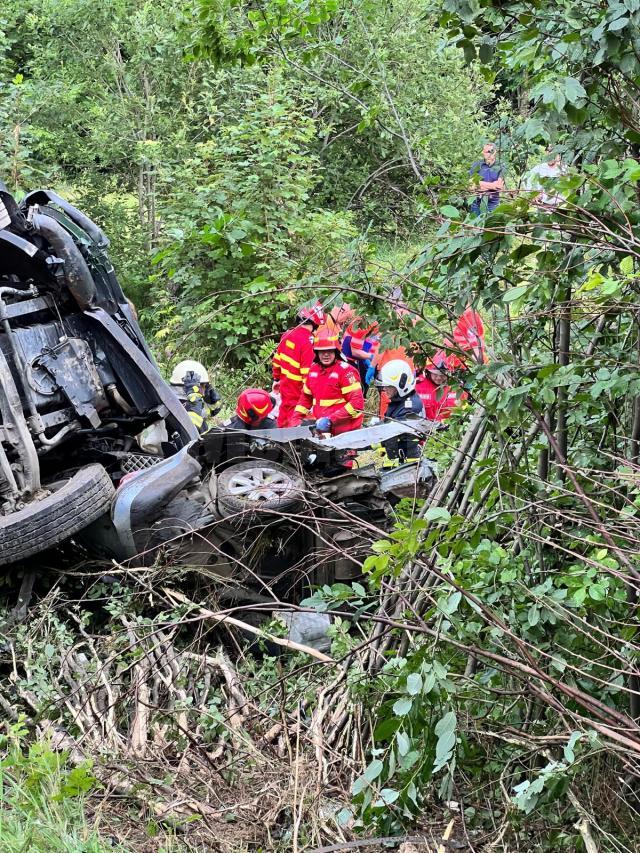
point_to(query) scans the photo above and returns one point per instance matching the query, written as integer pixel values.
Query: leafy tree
(395, 111)
(243, 224)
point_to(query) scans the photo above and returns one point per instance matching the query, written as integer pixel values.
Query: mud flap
(141, 500)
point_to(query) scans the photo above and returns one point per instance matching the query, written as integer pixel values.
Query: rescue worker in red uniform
(252, 413)
(292, 361)
(331, 392)
(438, 398)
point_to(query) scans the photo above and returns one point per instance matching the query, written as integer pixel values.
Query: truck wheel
(258, 485)
(75, 501)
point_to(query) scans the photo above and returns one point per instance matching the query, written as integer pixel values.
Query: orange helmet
(254, 405)
(325, 338)
(455, 363)
(312, 313)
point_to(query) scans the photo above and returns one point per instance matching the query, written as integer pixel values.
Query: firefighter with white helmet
(397, 379)
(190, 381)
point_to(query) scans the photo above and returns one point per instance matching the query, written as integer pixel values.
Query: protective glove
(370, 374)
(323, 425)
(275, 387)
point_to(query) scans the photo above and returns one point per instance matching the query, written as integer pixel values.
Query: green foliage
(395, 112)
(43, 798)
(243, 225)
(577, 61)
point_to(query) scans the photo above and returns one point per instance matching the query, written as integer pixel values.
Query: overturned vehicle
(77, 381)
(96, 448)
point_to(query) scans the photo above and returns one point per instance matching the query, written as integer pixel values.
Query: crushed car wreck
(96, 446)
(274, 508)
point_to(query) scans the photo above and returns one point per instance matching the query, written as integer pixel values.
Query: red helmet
(254, 405)
(326, 338)
(341, 314)
(455, 363)
(438, 361)
(312, 313)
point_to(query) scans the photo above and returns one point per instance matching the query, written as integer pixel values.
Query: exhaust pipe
(76, 271)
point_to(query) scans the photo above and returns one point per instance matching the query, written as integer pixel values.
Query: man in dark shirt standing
(491, 181)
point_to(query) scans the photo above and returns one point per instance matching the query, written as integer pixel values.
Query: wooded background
(245, 156)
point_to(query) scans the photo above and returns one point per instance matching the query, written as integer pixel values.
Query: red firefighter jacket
(332, 392)
(438, 400)
(292, 361)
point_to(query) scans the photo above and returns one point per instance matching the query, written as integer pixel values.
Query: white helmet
(397, 374)
(181, 370)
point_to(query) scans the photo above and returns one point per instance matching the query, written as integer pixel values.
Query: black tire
(76, 502)
(258, 485)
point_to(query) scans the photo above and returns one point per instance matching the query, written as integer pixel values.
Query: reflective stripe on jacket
(332, 392)
(197, 410)
(438, 400)
(292, 360)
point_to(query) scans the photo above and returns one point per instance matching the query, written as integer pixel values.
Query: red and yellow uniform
(332, 392)
(291, 364)
(438, 400)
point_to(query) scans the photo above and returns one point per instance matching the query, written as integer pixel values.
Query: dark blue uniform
(403, 447)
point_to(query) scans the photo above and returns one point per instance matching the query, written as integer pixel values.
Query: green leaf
(611, 286)
(450, 604)
(574, 90)
(485, 52)
(414, 683)
(515, 293)
(401, 707)
(446, 724)
(373, 770)
(533, 615)
(569, 753)
(450, 211)
(596, 592)
(359, 785)
(468, 50)
(403, 743)
(386, 797)
(618, 24)
(437, 513)
(524, 250)
(444, 747)
(344, 817)
(626, 265)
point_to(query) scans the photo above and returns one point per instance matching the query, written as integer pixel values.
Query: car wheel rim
(259, 485)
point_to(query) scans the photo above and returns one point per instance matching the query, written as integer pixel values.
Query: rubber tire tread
(229, 504)
(43, 524)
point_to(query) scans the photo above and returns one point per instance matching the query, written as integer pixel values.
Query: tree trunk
(564, 342)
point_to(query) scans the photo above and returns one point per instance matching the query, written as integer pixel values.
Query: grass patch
(42, 799)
